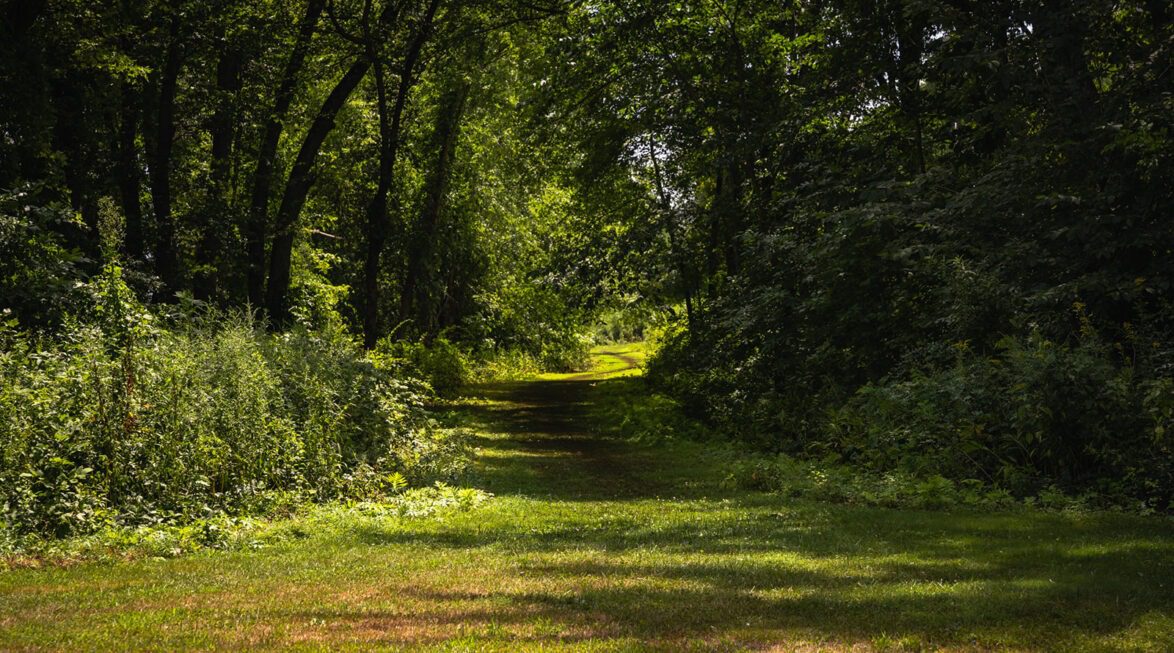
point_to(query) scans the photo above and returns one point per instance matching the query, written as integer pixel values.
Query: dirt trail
(548, 445)
(630, 363)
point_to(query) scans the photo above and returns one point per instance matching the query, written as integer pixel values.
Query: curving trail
(627, 363)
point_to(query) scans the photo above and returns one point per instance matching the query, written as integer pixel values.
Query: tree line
(229, 136)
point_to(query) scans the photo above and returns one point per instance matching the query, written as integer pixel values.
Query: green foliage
(628, 322)
(124, 421)
(537, 320)
(1036, 413)
(624, 408)
(1032, 414)
(866, 226)
(838, 483)
(505, 365)
(439, 362)
(39, 273)
(842, 194)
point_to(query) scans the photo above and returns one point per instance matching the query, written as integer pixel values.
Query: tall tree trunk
(166, 259)
(378, 224)
(22, 67)
(726, 218)
(414, 302)
(258, 222)
(298, 187)
(127, 172)
(910, 47)
(217, 204)
(71, 138)
(301, 178)
(734, 218)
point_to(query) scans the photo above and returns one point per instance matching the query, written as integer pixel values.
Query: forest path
(539, 438)
(595, 543)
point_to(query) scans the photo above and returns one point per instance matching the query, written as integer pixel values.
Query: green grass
(607, 362)
(597, 544)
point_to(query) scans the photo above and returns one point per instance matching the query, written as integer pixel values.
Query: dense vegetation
(918, 237)
(128, 422)
(242, 243)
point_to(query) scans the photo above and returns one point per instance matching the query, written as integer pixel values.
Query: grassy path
(596, 544)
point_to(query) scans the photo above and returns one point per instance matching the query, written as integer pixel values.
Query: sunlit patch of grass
(608, 362)
(528, 574)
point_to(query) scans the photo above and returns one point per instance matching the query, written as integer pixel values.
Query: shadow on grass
(737, 568)
(547, 447)
(723, 563)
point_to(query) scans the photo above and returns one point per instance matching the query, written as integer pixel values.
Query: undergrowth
(628, 409)
(139, 418)
(1028, 415)
(229, 533)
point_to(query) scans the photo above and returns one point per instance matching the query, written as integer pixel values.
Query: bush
(628, 322)
(505, 365)
(1032, 413)
(124, 421)
(38, 270)
(1036, 414)
(838, 483)
(627, 410)
(439, 362)
(534, 319)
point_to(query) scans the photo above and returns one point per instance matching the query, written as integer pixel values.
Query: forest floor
(597, 544)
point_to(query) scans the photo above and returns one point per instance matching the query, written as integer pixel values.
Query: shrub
(532, 317)
(38, 270)
(838, 483)
(1036, 414)
(630, 321)
(626, 410)
(125, 421)
(505, 365)
(439, 362)
(1028, 414)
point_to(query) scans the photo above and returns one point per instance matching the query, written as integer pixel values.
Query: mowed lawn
(595, 544)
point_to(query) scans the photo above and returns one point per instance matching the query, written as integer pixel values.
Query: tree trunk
(217, 204)
(1066, 79)
(166, 260)
(127, 173)
(910, 47)
(414, 302)
(726, 217)
(71, 137)
(674, 238)
(301, 178)
(258, 222)
(297, 188)
(378, 224)
(23, 69)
